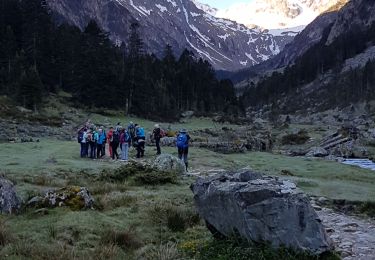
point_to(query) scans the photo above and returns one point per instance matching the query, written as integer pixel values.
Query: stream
(363, 163)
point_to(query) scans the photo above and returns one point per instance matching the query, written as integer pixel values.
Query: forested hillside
(39, 57)
(320, 79)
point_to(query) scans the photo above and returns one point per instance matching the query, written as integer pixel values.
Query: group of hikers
(94, 140)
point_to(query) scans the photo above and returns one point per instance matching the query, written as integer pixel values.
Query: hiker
(91, 143)
(115, 141)
(101, 137)
(109, 138)
(182, 143)
(80, 139)
(157, 134)
(105, 141)
(85, 144)
(131, 131)
(140, 139)
(125, 141)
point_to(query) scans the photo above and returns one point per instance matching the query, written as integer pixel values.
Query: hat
(156, 126)
(183, 130)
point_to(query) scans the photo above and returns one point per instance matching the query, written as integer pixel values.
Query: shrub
(368, 208)
(141, 174)
(126, 239)
(239, 249)
(177, 219)
(5, 236)
(294, 139)
(155, 177)
(167, 251)
(112, 200)
(104, 252)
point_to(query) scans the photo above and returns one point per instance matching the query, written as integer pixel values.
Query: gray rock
(317, 152)
(9, 201)
(168, 141)
(169, 163)
(263, 209)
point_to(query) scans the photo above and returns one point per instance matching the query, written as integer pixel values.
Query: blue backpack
(140, 132)
(126, 138)
(182, 140)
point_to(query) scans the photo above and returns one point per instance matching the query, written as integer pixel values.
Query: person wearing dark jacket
(157, 136)
(182, 143)
(140, 138)
(115, 143)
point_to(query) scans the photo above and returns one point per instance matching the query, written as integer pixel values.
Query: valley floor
(134, 221)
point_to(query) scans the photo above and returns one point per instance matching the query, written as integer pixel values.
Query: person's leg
(157, 141)
(142, 149)
(115, 151)
(92, 150)
(123, 151)
(82, 150)
(126, 151)
(186, 151)
(103, 149)
(95, 147)
(87, 149)
(98, 150)
(138, 150)
(180, 153)
(110, 150)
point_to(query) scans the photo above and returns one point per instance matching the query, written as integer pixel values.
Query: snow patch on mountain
(276, 14)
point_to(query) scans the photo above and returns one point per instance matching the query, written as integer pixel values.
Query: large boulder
(260, 208)
(317, 152)
(169, 163)
(74, 197)
(9, 201)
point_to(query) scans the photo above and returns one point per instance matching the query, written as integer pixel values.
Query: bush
(368, 208)
(126, 239)
(112, 200)
(239, 249)
(156, 178)
(167, 251)
(141, 174)
(5, 235)
(177, 219)
(295, 139)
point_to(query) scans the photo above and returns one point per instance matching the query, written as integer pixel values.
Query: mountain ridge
(225, 44)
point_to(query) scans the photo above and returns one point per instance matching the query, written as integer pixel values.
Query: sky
(221, 4)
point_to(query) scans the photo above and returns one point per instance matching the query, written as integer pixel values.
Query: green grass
(189, 124)
(128, 209)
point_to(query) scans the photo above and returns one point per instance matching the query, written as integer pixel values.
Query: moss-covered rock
(74, 197)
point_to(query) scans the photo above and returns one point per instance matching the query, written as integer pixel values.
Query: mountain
(277, 14)
(227, 45)
(311, 35)
(335, 71)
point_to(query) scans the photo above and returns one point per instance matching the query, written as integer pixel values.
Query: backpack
(116, 137)
(80, 137)
(162, 133)
(128, 138)
(182, 140)
(140, 132)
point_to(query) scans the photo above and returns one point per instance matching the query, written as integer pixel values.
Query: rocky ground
(354, 237)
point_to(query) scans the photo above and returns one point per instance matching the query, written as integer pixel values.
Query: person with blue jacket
(182, 144)
(100, 142)
(140, 139)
